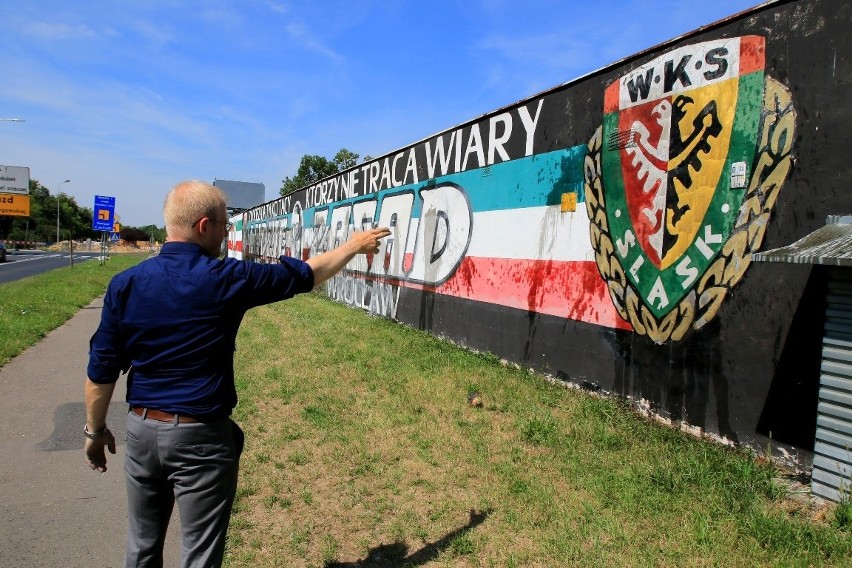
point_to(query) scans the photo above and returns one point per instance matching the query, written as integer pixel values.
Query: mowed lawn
(362, 450)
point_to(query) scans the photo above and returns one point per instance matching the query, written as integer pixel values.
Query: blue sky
(127, 97)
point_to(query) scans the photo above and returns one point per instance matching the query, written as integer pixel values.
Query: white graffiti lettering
(378, 298)
(495, 142)
(689, 273)
(396, 215)
(453, 152)
(440, 157)
(625, 245)
(680, 70)
(658, 294)
(702, 244)
(637, 264)
(530, 124)
(474, 146)
(425, 250)
(442, 236)
(446, 150)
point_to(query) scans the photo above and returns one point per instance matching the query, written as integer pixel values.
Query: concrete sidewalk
(54, 510)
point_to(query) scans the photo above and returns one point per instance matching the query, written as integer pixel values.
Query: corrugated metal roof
(831, 245)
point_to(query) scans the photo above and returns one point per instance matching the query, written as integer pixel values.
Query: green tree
(133, 235)
(313, 168)
(74, 221)
(153, 233)
(344, 159)
(40, 226)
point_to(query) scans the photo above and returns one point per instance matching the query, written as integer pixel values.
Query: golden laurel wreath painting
(681, 179)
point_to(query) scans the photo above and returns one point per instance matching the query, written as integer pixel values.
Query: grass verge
(362, 450)
(31, 307)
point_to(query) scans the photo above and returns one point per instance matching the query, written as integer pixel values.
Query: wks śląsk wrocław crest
(681, 179)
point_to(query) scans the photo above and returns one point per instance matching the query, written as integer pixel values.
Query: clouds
(58, 31)
(298, 32)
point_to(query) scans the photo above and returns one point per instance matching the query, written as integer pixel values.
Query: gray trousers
(195, 464)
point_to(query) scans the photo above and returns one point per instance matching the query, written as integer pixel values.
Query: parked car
(2, 252)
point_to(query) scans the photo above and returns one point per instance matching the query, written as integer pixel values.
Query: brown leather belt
(160, 416)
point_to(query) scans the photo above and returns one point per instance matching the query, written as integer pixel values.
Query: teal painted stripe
(308, 216)
(534, 181)
(527, 182)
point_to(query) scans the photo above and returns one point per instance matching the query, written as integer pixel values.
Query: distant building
(241, 194)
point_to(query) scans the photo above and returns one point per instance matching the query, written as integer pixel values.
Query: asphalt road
(54, 510)
(30, 263)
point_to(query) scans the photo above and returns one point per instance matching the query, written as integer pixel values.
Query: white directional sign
(15, 179)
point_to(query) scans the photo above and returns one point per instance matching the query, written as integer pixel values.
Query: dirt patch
(121, 247)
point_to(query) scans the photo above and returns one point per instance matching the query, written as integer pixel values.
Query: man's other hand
(95, 455)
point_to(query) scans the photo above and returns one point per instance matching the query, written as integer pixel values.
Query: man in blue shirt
(172, 321)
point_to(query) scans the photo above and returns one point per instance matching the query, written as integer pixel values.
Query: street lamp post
(57, 209)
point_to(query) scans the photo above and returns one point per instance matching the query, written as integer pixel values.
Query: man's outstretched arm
(331, 262)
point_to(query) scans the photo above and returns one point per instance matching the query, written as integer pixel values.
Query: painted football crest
(681, 179)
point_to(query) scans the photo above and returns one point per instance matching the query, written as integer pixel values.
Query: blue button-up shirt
(173, 321)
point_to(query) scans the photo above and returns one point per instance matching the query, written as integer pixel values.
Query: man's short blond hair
(187, 203)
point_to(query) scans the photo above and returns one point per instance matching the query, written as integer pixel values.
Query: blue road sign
(104, 213)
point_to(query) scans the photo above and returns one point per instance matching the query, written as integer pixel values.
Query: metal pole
(57, 209)
(103, 247)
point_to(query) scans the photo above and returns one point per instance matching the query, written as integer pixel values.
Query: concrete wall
(602, 231)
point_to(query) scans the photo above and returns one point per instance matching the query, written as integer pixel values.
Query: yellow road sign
(14, 205)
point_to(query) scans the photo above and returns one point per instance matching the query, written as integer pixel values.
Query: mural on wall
(678, 185)
(474, 214)
(681, 179)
